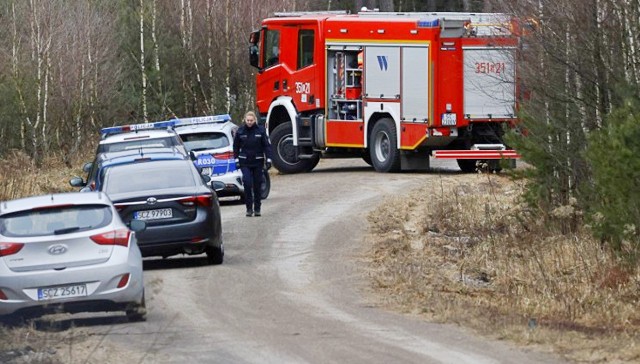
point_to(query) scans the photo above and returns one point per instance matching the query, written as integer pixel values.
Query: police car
(209, 141)
(158, 134)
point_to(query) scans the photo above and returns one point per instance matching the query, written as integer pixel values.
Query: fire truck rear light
(343, 31)
(380, 31)
(3, 297)
(124, 280)
(413, 31)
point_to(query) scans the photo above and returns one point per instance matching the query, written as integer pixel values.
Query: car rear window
(169, 141)
(150, 175)
(55, 220)
(203, 141)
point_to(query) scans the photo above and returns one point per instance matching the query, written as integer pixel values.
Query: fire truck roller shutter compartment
(415, 84)
(382, 77)
(489, 82)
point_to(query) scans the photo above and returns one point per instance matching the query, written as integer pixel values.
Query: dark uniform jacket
(251, 145)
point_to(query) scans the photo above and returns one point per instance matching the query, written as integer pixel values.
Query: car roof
(148, 152)
(55, 199)
(225, 127)
(137, 134)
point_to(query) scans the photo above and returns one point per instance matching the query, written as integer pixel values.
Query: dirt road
(292, 289)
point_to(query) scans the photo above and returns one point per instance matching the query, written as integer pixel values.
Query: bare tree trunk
(227, 77)
(210, 31)
(156, 52)
(36, 42)
(386, 5)
(26, 123)
(143, 73)
(45, 100)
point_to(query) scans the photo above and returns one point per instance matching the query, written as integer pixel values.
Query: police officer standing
(252, 150)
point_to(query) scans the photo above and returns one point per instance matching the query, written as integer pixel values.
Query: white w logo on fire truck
(382, 62)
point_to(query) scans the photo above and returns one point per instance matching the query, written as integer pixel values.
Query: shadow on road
(175, 262)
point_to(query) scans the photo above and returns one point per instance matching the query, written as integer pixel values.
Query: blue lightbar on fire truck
(202, 120)
(428, 23)
(134, 127)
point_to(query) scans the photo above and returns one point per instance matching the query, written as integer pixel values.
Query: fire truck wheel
(467, 165)
(385, 156)
(285, 156)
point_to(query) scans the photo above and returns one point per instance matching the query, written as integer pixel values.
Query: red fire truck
(391, 88)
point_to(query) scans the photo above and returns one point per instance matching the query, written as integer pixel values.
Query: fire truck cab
(391, 88)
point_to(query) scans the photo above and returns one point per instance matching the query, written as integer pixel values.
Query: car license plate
(50, 293)
(448, 119)
(153, 214)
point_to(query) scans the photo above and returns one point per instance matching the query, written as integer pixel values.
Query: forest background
(70, 67)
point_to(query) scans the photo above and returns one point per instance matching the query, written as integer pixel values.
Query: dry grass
(467, 251)
(21, 177)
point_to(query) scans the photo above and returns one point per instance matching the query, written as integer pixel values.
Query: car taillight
(124, 280)
(9, 248)
(3, 297)
(119, 207)
(225, 155)
(205, 200)
(115, 237)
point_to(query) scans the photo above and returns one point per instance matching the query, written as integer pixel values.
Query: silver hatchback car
(68, 252)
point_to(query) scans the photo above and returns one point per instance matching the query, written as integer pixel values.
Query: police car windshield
(139, 143)
(204, 141)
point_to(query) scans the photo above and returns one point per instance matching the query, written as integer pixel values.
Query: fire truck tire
(285, 154)
(385, 156)
(467, 165)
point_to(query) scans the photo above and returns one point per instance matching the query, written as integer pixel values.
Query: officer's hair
(250, 113)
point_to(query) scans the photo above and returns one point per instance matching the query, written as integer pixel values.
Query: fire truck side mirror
(254, 50)
(254, 59)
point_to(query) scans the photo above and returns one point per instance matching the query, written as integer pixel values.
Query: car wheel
(265, 187)
(384, 152)
(215, 255)
(137, 312)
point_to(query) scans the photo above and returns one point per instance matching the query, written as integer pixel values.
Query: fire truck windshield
(271, 47)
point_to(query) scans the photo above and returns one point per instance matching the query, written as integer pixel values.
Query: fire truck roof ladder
(303, 13)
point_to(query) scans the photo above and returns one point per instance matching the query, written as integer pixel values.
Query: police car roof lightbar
(202, 120)
(134, 127)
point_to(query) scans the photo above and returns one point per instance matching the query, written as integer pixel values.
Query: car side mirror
(217, 186)
(77, 182)
(137, 225)
(205, 178)
(87, 167)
